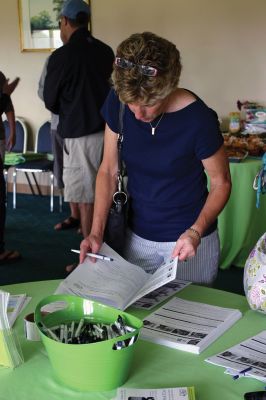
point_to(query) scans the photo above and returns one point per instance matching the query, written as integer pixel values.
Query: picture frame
(39, 24)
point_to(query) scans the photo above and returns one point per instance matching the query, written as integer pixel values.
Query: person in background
(5, 92)
(6, 256)
(10, 115)
(170, 139)
(73, 221)
(75, 87)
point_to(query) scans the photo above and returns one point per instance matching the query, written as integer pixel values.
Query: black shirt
(4, 99)
(77, 83)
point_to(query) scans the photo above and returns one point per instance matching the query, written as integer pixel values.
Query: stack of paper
(16, 303)
(247, 358)
(180, 393)
(188, 325)
(10, 352)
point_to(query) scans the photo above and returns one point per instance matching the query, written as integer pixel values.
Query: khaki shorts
(82, 158)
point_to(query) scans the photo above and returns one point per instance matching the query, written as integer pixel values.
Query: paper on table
(249, 353)
(117, 283)
(16, 303)
(10, 351)
(188, 325)
(180, 393)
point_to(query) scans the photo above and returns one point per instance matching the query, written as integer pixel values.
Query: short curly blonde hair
(147, 49)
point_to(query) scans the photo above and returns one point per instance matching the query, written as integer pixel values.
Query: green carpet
(46, 252)
(30, 230)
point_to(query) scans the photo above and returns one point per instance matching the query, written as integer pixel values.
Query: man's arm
(7, 90)
(53, 82)
(10, 114)
(42, 79)
(4, 99)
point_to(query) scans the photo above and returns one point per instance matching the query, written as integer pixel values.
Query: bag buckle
(120, 197)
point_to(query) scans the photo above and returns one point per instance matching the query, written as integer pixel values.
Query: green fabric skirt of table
(241, 224)
(154, 365)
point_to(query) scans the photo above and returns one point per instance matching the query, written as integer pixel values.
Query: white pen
(95, 255)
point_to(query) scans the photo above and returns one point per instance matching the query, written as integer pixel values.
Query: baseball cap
(71, 8)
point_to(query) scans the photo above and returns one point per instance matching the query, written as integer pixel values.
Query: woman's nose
(139, 113)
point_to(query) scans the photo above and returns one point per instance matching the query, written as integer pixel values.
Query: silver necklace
(154, 127)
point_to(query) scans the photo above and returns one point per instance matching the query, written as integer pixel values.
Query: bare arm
(106, 182)
(12, 129)
(8, 88)
(217, 168)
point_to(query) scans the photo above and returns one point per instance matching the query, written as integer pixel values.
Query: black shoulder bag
(115, 229)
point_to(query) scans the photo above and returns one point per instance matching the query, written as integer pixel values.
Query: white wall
(222, 44)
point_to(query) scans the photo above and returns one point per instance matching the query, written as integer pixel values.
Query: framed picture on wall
(39, 24)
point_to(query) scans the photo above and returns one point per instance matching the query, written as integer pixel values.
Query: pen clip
(242, 373)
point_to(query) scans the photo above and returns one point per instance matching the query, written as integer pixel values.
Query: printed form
(249, 354)
(117, 283)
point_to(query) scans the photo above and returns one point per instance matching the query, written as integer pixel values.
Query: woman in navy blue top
(170, 138)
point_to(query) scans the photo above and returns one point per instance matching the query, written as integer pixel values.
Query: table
(153, 366)
(241, 224)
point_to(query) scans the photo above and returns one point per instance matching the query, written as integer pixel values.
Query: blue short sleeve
(210, 139)
(110, 111)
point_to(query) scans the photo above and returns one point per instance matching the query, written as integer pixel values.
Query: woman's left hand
(186, 246)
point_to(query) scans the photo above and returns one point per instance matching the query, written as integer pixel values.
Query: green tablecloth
(12, 158)
(241, 224)
(153, 366)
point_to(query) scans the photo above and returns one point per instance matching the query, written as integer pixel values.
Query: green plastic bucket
(93, 366)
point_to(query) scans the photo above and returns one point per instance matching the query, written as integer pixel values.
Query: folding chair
(21, 135)
(21, 140)
(42, 164)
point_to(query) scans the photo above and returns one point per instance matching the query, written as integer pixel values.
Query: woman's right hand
(91, 244)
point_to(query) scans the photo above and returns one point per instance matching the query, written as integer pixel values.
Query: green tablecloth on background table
(154, 365)
(241, 224)
(12, 158)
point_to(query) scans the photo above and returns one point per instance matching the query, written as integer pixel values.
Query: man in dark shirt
(6, 256)
(5, 93)
(76, 85)
(10, 115)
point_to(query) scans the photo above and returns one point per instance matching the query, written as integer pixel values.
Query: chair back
(21, 135)
(43, 143)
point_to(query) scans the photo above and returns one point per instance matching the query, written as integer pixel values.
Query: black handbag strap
(120, 196)
(120, 139)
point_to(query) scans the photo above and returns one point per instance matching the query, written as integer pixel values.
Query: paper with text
(181, 393)
(249, 353)
(188, 325)
(16, 303)
(117, 283)
(160, 294)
